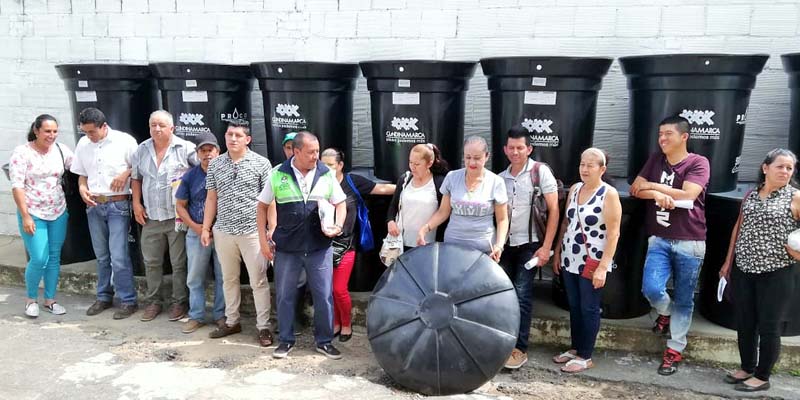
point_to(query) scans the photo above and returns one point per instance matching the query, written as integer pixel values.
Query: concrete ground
(78, 357)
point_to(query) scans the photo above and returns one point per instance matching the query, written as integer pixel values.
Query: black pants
(761, 301)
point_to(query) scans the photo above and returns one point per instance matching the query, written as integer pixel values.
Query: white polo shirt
(103, 161)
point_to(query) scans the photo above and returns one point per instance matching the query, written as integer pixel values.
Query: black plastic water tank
(622, 295)
(205, 97)
(712, 91)
(443, 319)
(554, 98)
(312, 96)
(416, 101)
(791, 64)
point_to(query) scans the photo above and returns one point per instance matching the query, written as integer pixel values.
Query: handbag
(591, 264)
(339, 248)
(69, 179)
(365, 240)
(538, 204)
(392, 246)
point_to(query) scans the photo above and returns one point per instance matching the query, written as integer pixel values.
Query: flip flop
(564, 357)
(582, 365)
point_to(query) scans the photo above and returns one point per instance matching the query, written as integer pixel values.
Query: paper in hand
(721, 288)
(687, 204)
(326, 214)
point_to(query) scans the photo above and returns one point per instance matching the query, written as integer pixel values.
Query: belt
(101, 199)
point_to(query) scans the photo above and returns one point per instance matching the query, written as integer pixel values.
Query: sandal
(574, 366)
(564, 357)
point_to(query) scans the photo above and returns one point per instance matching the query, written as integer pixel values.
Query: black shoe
(98, 307)
(729, 378)
(125, 311)
(343, 338)
(662, 325)
(283, 350)
(329, 351)
(743, 387)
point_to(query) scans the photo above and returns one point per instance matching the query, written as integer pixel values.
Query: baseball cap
(207, 138)
(289, 136)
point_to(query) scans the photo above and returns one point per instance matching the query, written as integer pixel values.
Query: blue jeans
(513, 260)
(319, 270)
(44, 250)
(199, 260)
(584, 312)
(680, 259)
(109, 224)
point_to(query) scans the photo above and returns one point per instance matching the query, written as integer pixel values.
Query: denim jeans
(680, 259)
(44, 250)
(319, 269)
(513, 260)
(200, 258)
(109, 224)
(584, 312)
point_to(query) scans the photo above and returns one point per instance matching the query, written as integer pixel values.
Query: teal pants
(44, 249)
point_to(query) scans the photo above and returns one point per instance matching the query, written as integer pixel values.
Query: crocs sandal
(574, 366)
(55, 309)
(564, 357)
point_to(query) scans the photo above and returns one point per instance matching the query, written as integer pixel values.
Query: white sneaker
(56, 309)
(32, 310)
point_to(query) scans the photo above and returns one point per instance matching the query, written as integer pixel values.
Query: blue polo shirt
(193, 188)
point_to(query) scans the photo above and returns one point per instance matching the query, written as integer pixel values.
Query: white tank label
(191, 83)
(83, 84)
(537, 81)
(405, 98)
(404, 83)
(540, 98)
(194, 96)
(85, 96)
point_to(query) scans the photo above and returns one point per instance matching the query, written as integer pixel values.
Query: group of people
(210, 211)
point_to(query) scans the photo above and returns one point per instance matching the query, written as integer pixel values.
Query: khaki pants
(231, 249)
(157, 237)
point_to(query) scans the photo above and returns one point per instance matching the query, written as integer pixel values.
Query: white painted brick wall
(37, 34)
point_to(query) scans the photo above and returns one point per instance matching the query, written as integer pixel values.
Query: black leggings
(761, 301)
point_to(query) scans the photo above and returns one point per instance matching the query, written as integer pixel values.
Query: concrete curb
(550, 325)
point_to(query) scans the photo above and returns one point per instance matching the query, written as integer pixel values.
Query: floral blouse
(765, 229)
(39, 175)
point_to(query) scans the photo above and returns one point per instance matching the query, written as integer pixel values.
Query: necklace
(474, 186)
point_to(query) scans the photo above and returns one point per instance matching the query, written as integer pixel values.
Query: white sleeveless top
(592, 228)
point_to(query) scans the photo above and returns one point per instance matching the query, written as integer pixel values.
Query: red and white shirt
(39, 175)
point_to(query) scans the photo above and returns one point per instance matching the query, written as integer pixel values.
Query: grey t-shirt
(472, 215)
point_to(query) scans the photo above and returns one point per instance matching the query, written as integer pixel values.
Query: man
(190, 203)
(234, 181)
(300, 243)
(158, 163)
(103, 163)
(288, 142)
(524, 241)
(677, 235)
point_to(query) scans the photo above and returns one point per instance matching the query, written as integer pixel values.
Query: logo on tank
(288, 116)
(235, 116)
(701, 124)
(191, 125)
(541, 130)
(405, 130)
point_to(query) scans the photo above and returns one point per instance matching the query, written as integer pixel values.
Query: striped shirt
(238, 185)
(157, 180)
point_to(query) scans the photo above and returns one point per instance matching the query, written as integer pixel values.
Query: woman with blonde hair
(588, 236)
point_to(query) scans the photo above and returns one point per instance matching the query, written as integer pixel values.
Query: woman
(471, 196)
(590, 230)
(36, 169)
(763, 280)
(344, 253)
(418, 193)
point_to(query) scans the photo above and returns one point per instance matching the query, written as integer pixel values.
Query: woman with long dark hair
(354, 186)
(763, 280)
(36, 170)
(417, 196)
